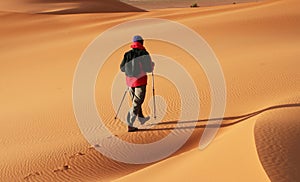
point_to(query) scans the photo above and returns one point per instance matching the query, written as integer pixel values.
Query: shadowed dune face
(277, 137)
(67, 6)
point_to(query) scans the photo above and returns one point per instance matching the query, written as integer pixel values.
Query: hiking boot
(143, 119)
(132, 129)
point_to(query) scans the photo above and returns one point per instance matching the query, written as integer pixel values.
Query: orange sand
(258, 48)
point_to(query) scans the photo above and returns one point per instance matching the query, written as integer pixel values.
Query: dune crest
(164, 4)
(67, 6)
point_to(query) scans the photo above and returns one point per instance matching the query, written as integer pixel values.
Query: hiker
(136, 64)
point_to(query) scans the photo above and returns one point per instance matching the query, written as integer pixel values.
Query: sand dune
(163, 4)
(214, 163)
(66, 6)
(276, 141)
(258, 48)
(277, 135)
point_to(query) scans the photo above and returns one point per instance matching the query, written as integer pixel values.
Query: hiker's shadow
(234, 119)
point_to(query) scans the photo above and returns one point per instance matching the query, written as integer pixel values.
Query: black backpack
(132, 68)
(137, 60)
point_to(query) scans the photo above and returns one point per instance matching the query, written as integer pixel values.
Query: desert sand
(163, 4)
(257, 45)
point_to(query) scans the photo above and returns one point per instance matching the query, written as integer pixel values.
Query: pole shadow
(238, 119)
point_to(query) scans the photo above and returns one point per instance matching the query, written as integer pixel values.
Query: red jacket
(146, 65)
(135, 82)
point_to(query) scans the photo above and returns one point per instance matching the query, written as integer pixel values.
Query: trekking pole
(121, 103)
(153, 91)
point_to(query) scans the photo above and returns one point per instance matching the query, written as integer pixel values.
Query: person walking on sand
(136, 64)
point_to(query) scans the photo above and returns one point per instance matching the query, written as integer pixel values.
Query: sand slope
(232, 157)
(257, 45)
(66, 6)
(277, 138)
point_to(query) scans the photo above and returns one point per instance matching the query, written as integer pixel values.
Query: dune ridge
(165, 4)
(67, 6)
